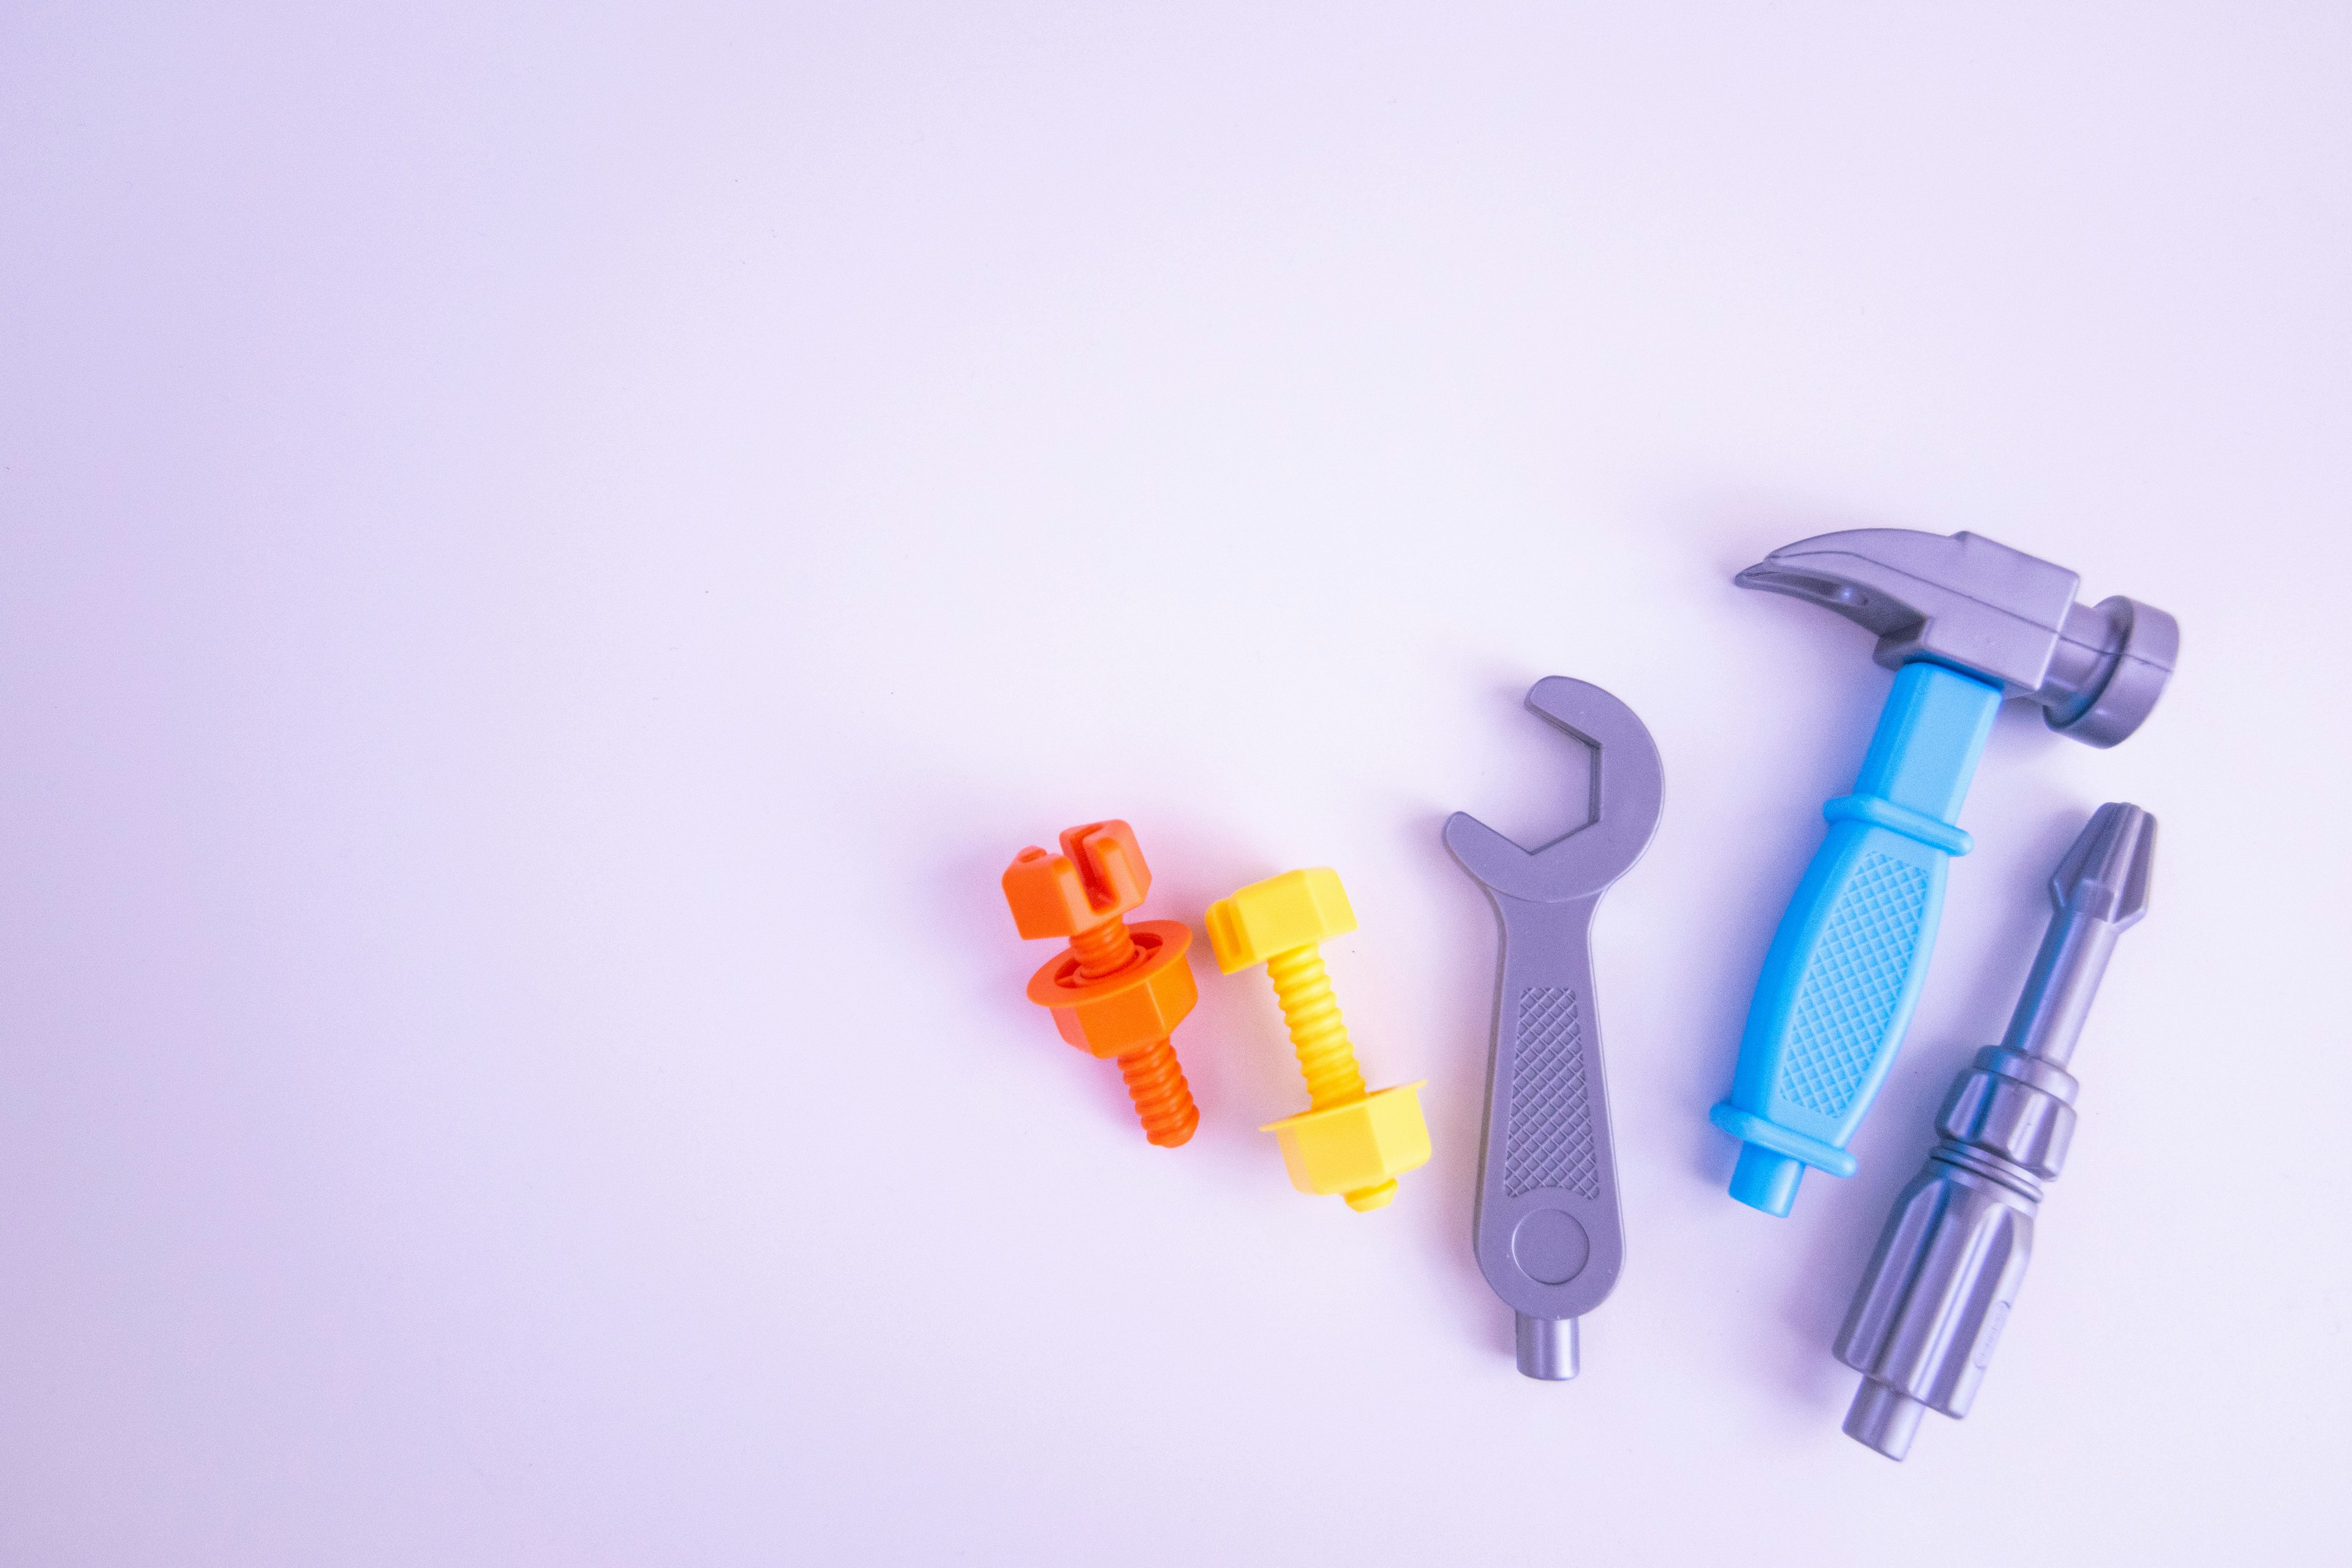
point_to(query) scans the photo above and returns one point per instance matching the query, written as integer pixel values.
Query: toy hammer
(1965, 623)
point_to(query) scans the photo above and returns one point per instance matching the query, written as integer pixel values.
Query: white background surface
(549, 560)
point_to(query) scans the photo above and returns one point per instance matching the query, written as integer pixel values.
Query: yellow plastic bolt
(1347, 1142)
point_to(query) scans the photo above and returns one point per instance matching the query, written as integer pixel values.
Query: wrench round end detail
(1550, 1246)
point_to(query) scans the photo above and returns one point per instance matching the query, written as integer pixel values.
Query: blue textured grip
(1846, 964)
(1858, 974)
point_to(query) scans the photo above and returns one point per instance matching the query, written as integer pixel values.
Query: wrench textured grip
(1550, 1142)
(1547, 1231)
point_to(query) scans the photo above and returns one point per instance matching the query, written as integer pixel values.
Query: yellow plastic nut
(1358, 1148)
(1295, 909)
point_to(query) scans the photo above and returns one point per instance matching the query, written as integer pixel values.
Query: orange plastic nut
(1127, 1010)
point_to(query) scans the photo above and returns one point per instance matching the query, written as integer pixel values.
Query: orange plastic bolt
(1117, 991)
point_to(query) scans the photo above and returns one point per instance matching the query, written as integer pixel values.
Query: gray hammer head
(1998, 614)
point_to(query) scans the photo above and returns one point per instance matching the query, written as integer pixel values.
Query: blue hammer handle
(1844, 969)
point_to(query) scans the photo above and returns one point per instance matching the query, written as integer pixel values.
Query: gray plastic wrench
(1547, 1229)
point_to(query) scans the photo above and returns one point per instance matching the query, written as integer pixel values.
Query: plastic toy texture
(1117, 991)
(1939, 1288)
(1348, 1140)
(1966, 624)
(1546, 1228)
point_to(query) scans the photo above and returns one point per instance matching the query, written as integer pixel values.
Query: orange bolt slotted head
(1098, 875)
(1117, 991)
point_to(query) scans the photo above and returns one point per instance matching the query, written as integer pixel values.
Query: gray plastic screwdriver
(1923, 1326)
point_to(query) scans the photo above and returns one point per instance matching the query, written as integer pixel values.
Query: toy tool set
(1966, 625)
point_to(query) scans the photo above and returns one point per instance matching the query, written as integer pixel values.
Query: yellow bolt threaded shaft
(1317, 1031)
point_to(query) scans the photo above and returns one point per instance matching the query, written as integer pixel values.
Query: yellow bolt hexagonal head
(1358, 1149)
(1295, 909)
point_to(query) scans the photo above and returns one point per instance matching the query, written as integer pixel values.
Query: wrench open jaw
(1627, 785)
(1547, 1229)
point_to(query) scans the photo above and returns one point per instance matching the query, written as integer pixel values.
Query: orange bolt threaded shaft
(1163, 1100)
(1104, 951)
